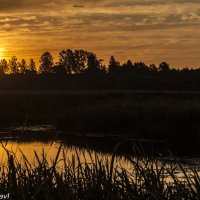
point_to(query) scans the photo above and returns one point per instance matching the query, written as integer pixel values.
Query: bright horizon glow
(1, 53)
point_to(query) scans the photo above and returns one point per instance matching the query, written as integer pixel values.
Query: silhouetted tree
(73, 61)
(185, 70)
(66, 62)
(164, 67)
(81, 57)
(3, 66)
(22, 66)
(128, 66)
(153, 68)
(13, 65)
(46, 63)
(102, 67)
(59, 69)
(31, 68)
(113, 66)
(140, 67)
(93, 63)
(174, 70)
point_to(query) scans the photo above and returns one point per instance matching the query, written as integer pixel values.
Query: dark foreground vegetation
(153, 115)
(82, 70)
(67, 178)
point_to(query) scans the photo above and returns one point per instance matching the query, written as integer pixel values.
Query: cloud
(103, 26)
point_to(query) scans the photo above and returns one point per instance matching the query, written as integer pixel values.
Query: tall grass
(69, 178)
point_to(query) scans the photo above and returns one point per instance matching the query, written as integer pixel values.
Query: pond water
(38, 138)
(50, 150)
(87, 148)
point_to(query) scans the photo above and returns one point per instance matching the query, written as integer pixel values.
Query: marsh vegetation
(90, 176)
(152, 115)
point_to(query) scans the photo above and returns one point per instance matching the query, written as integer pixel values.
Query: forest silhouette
(80, 69)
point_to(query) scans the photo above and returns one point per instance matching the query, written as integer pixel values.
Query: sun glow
(1, 53)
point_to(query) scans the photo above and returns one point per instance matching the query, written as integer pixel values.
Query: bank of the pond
(102, 142)
(142, 115)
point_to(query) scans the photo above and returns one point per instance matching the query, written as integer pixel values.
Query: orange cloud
(152, 31)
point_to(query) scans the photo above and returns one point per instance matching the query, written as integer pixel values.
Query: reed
(69, 178)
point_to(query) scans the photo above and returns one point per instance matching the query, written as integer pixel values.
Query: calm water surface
(100, 148)
(70, 152)
(50, 150)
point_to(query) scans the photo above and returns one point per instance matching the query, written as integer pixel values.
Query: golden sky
(141, 30)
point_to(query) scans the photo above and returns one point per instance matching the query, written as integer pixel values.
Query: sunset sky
(141, 30)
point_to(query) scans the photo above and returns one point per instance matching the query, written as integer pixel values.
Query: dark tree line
(79, 69)
(78, 62)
